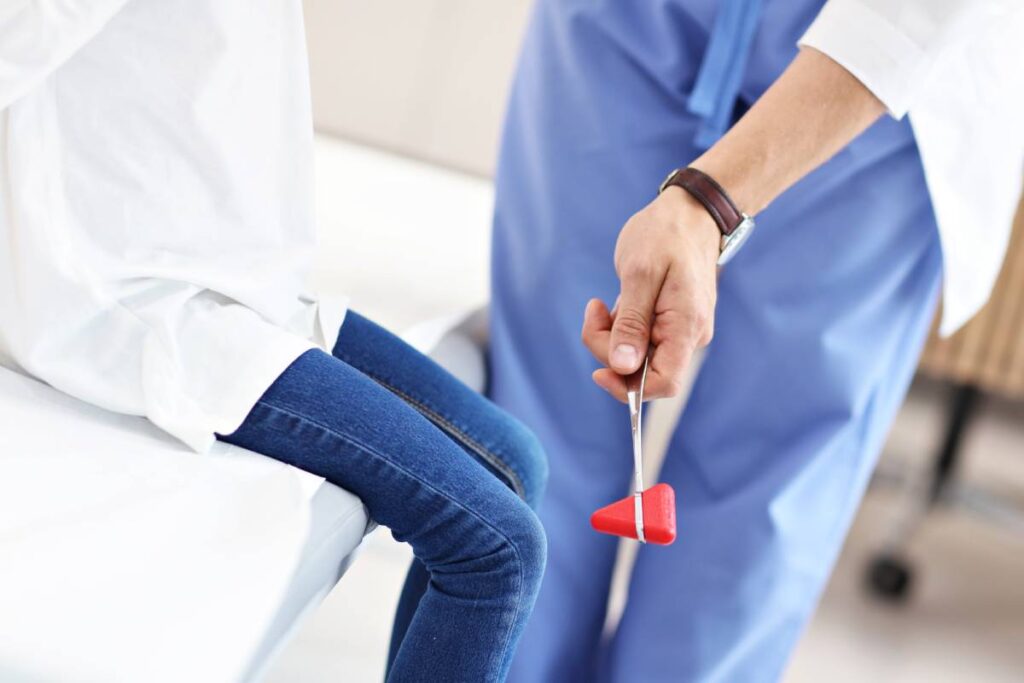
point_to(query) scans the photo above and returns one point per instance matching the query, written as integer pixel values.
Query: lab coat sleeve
(37, 36)
(891, 46)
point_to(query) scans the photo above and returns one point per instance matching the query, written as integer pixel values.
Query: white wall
(426, 78)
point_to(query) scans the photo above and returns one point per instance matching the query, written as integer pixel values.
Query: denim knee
(528, 460)
(526, 535)
(505, 549)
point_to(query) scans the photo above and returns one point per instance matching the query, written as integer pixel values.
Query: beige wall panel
(427, 78)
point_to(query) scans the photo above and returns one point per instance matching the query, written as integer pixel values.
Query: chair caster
(890, 578)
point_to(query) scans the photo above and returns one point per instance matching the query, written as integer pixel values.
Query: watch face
(731, 244)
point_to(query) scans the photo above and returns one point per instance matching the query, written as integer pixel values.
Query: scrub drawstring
(721, 71)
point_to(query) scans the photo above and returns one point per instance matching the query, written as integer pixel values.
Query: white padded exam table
(126, 557)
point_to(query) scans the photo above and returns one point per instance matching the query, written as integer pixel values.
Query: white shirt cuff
(871, 48)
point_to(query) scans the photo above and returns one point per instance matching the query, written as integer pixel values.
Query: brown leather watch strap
(710, 194)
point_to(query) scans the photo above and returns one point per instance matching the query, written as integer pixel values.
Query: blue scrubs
(820, 320)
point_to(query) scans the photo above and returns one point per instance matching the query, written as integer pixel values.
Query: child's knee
(530, 463)
(501, 553)
(526, 535)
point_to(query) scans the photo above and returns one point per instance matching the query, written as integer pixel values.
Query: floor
(408, 242)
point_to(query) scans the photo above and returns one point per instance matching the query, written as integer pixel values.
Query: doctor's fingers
(634, 316)
(655, 386)
(684, 321)
(597, 329)
(596, 335)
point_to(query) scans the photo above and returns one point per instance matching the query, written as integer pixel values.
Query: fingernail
(625, 356)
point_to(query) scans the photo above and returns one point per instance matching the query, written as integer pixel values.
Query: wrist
(734, 225)
(691, 218)
(735, 178)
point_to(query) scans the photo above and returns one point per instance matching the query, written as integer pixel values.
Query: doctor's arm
(666, 255)
(859, 58)
(37, 36)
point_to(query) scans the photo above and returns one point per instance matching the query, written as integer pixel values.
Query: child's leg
(488, 434)
(481, 544)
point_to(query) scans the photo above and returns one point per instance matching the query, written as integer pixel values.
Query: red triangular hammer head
(619, 518)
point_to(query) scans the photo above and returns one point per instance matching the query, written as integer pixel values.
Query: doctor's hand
(666, 259)
(667, 253)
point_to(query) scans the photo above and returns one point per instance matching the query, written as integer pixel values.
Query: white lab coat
(957, 67)
(156, 194)
(155, 216)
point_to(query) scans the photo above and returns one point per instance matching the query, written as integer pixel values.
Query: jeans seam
(513, 477)
(514, 480)
(373, 452)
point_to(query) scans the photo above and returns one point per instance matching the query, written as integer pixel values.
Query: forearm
(811, 112)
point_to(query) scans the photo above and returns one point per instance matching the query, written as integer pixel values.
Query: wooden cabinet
(989, 351)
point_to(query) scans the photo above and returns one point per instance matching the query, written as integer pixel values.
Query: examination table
(126, 557)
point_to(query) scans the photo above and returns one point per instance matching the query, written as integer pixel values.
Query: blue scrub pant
(820, 321)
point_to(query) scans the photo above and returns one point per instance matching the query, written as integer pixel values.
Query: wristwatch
(735, 225)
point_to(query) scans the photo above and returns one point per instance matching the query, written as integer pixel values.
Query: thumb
(631, 331)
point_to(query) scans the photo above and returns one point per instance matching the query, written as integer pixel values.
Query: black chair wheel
(890, 578)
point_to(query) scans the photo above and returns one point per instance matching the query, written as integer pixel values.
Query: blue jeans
(443, 468)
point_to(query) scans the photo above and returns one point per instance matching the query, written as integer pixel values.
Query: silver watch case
(731, 243)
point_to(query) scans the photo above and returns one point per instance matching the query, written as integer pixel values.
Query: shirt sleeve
(891, 47)
(37, 36)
